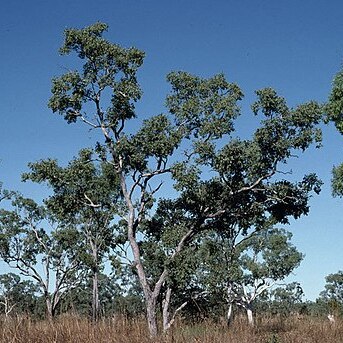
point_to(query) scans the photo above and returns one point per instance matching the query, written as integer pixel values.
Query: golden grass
(73, 329)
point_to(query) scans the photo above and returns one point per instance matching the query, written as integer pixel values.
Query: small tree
(333, 292)
(286, 299)
(86, 197)
(269, 259)
(17, 295)
(244, 268)
(48, 256)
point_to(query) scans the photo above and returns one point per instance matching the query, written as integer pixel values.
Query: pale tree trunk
(167, 320)
(229, 315)
(95, 293)
(95, 296)
(150, 296)
(250, 315)
(49, 307)
(151, 292)
(7, 306)
(230, 301)
(165, 310)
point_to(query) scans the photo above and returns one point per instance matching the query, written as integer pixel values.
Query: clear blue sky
(294, 46)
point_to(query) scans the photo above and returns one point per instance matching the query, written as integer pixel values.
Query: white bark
(250, 315)
(229, 315)
(167, 321)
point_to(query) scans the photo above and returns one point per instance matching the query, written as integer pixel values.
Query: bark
(150, 297)
(150, 292)
(165, 310)
(7, 306)
(151, 317)
(167, 320)
(95, 291)
(229, 315)
(50, 310)
(250, 315)
(95, 296)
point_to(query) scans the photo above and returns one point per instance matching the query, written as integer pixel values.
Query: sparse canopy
(33, 242)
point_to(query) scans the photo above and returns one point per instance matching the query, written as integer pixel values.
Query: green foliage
(337, 181)
(5, 194)
(18, 294)
(334, 287)
(85, 197)
(106, 65)
(32, 241)
(284, 300)
(207, 106)
(270, 255)
(334, 107)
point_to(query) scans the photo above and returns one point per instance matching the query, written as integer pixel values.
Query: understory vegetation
(70, 329)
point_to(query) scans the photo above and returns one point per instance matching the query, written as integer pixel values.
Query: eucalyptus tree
(162, 233)
(332, 295)
(86, 197)
(191, 138)
(33, 242)
(267, 258)
(78, 299)
(286, 299)
(239, 268)
(16, 295)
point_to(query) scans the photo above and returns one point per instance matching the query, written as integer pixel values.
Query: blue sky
(293, 46)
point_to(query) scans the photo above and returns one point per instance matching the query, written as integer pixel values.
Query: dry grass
(72, 329)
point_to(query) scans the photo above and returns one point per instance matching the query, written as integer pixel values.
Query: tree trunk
(229, 315)
(250, 315)
(165, 310)
(50, 311)
(149, 295)
(95, 296)
(151, 317)
(95, 292)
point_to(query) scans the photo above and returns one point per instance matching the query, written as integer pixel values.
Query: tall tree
(32, 241)
(184, 144)
(85, 197)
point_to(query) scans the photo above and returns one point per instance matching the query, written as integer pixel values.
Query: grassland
(73, 329)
